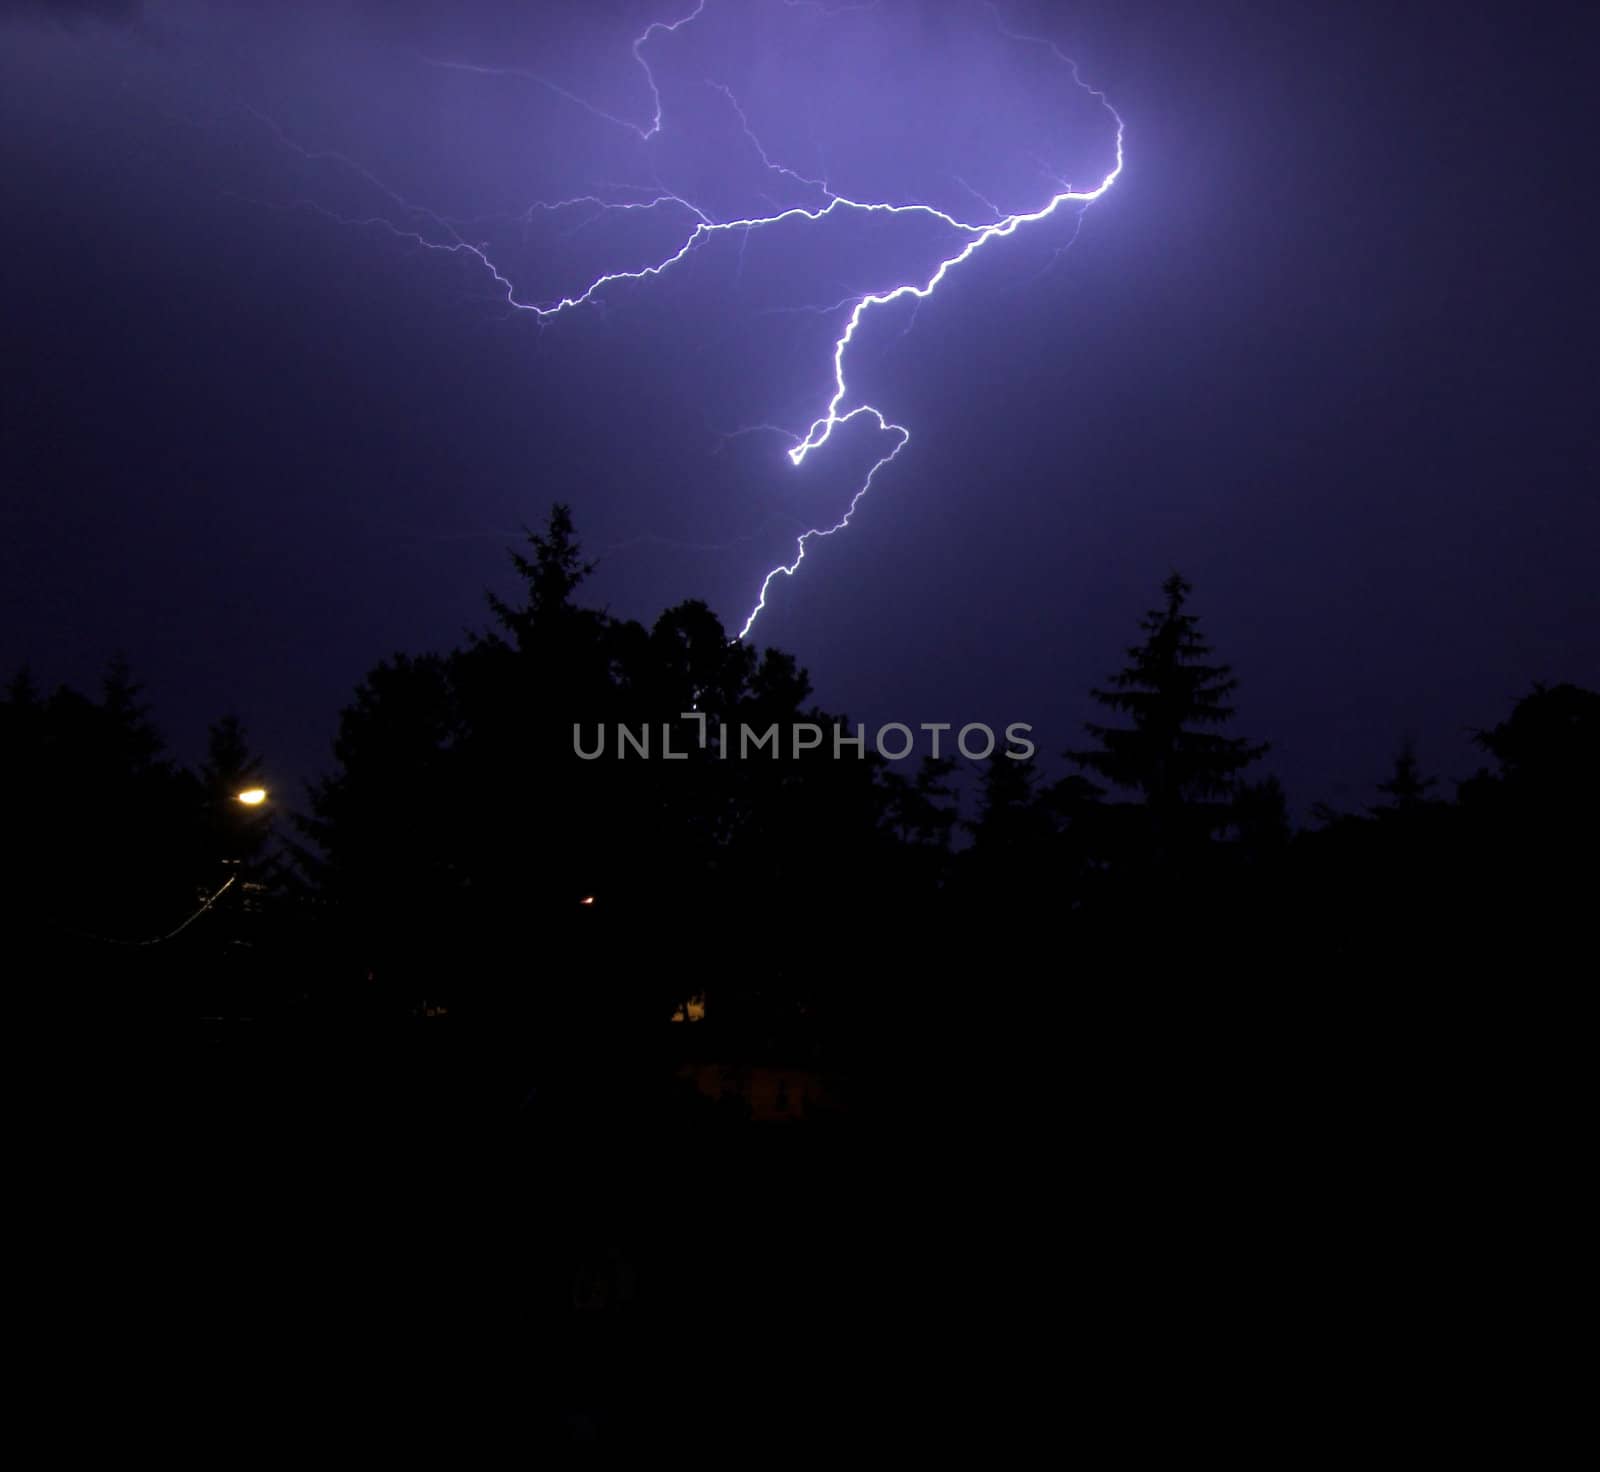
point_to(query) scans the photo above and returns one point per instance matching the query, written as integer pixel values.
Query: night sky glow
(311, 308)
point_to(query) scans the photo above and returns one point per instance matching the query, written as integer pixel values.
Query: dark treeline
(464, 856)
(1120, 1019)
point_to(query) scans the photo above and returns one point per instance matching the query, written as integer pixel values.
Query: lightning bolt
(839, 409)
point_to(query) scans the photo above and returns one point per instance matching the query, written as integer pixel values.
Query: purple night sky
(1327, 346)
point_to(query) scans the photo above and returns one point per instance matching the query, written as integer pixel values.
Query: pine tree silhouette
(1168, 690)
(1407, 789)
(550, 576)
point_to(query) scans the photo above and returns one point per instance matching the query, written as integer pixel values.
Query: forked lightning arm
(839, 410)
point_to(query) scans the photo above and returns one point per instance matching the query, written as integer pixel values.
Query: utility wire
(112, 940)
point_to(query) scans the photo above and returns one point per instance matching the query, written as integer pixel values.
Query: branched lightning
(839, 409)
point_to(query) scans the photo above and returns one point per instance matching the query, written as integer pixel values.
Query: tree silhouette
(552, 575)
(134, 743)
(1407, 789)
(1530, 825)
(1261, 819)
(386, 848)
(105, 840)
(466, 837)
(1548, 751)
(924, 813)
(1013, 830)
(1169, 691)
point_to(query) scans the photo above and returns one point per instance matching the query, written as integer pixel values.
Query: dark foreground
(411, 1238)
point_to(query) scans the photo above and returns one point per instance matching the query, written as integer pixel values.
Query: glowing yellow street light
(251, 797)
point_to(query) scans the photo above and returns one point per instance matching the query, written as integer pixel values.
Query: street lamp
(251, 797)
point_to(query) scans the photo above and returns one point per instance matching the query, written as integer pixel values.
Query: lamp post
(247, 797)
(225, 977)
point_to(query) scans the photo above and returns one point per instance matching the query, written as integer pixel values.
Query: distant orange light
(588, 899)
(694, 1010)
(252, 797)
